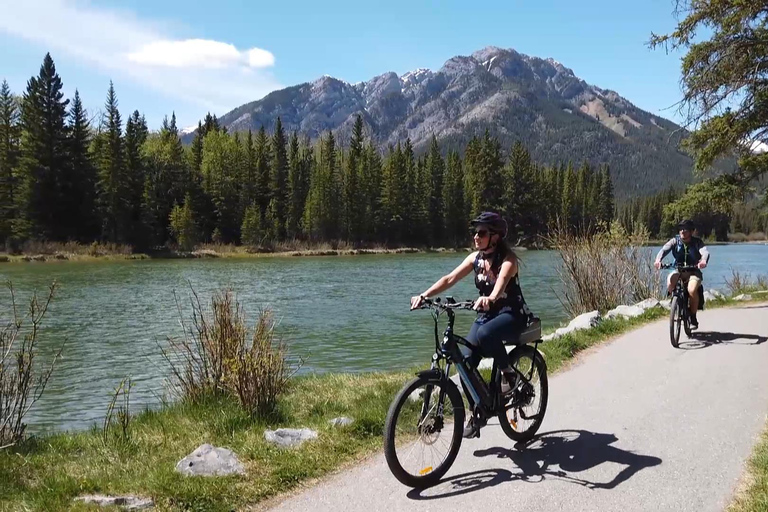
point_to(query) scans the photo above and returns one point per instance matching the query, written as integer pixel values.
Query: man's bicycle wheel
(675, 320)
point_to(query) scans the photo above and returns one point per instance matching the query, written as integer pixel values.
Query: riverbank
(41, 253)
(46, 473)
(82, 253)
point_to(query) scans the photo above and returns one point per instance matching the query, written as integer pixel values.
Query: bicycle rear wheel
(521, 417)
(675, 319)
(422, 432)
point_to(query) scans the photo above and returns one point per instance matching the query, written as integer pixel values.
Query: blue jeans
(488, 334)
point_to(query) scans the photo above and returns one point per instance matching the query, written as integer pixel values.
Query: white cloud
(258, 58)
(210, 74)
(758, 147)
(199, 53)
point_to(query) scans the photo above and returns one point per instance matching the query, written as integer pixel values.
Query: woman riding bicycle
(501, 307)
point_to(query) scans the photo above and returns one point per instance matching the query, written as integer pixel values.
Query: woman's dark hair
(504, 250)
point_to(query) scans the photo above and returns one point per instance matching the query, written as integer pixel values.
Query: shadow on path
(704, 339)
(560, 454)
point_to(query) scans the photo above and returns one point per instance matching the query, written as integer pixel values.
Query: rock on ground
(289, 437)
(125, 502)
(625, 311)
(208, 460)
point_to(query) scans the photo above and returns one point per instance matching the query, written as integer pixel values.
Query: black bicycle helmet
(494, 221)
(687, 224)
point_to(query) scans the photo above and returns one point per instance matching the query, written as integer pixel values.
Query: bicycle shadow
(704, 339)
(558, 454)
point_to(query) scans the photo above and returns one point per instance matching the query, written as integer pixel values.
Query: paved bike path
(636, 426)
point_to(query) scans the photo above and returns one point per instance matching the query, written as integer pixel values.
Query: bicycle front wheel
(422, 433)
(675, 319)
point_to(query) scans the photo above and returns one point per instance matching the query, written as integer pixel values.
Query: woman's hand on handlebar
(416, 301)
(483, 304)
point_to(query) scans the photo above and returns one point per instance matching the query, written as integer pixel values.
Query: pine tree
(606, 197)
(166, 182)
(183, 226)
(81, 193)
(249, 178)
(43, 160)
(471, 178)
(263, 158)
(436, 171)
(371, 176)
(113, 186)
(10, 133)
(295, 202)
(568, 205)
(278, 178)
(220, 177)
(353, 203)
(329, 189)
(487, 186)
(453, 201)
(251, 231)
(136, 133)
(394, 195)
(518, 191)
(176, 162)
(196, 149)
(595, 199)
(202, 208)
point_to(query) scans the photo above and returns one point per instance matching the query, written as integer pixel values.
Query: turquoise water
(340, 313)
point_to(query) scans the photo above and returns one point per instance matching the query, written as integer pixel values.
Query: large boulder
(716, 294)
(625, 312)
(648, 304)
(583, 321)
(743, 296)
(289, 437)
(208, 460)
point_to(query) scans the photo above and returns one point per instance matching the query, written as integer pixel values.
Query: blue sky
(191, 57)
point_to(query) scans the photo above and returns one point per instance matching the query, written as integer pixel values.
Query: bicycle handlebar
(681, 268)
(437, 303)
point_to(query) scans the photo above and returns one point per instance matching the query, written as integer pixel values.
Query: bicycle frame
(681, 292)
(485, 397)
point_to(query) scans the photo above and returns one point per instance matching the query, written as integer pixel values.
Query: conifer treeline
(649, 213)
(63, 179)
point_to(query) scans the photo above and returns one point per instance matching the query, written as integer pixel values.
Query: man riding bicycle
(687, 250)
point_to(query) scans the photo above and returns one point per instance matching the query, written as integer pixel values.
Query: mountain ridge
(541, 102)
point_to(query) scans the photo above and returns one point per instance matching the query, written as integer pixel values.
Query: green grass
(754, 497)
(47, 473)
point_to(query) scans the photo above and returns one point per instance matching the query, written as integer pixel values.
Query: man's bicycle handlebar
(680, 268)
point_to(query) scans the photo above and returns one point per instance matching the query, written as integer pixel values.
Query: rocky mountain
(541, 102)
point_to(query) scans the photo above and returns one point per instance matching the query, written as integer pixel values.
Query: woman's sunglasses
(482, 233)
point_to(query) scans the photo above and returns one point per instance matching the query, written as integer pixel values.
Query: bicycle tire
(511, 426)
(421, 481)
(675, 318)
